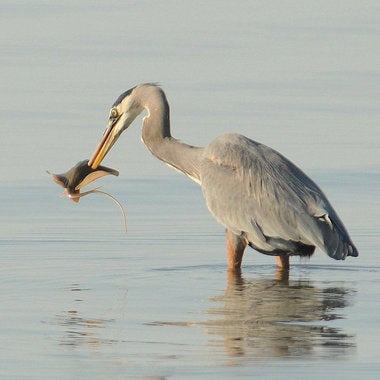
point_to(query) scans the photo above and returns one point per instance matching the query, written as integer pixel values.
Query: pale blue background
(300, 76)
(79, 298)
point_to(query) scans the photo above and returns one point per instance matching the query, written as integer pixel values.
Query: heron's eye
(114, 114)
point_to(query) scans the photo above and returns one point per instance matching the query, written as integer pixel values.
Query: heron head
(122, 113)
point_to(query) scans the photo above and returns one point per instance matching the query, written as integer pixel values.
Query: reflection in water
(81, 330)
(253, 319)
(267, 318)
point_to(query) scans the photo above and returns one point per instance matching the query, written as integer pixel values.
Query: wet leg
(283, 262)
(235, 250)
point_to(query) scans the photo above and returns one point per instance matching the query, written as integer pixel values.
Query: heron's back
(252, 189)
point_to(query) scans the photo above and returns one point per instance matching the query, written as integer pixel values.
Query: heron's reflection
(278, 317)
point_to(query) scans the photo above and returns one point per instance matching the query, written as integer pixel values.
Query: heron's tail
(336, 241)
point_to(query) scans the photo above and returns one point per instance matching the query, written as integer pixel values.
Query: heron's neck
(157, 138)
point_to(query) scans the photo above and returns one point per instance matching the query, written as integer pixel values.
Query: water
(82, 299)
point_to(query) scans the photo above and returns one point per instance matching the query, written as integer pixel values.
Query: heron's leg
(235, 249)
(283, 262)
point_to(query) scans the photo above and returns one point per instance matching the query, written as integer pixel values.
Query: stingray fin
(91, 177)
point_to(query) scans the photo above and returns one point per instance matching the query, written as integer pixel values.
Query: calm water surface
(79, 298)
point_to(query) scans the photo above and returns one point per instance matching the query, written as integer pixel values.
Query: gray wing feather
(251, 188)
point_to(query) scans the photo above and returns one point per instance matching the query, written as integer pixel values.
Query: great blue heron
(260, 197)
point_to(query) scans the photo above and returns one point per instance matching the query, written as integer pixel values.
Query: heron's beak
(111, 134)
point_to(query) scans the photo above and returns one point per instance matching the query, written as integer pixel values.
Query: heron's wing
(251, 188)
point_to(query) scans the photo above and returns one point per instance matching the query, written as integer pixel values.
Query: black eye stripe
(122, 96)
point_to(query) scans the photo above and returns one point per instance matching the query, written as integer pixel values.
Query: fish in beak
(80, 176)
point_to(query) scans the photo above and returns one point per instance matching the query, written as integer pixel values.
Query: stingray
(80, 176)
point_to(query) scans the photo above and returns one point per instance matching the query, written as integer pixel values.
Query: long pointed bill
(109, 138)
